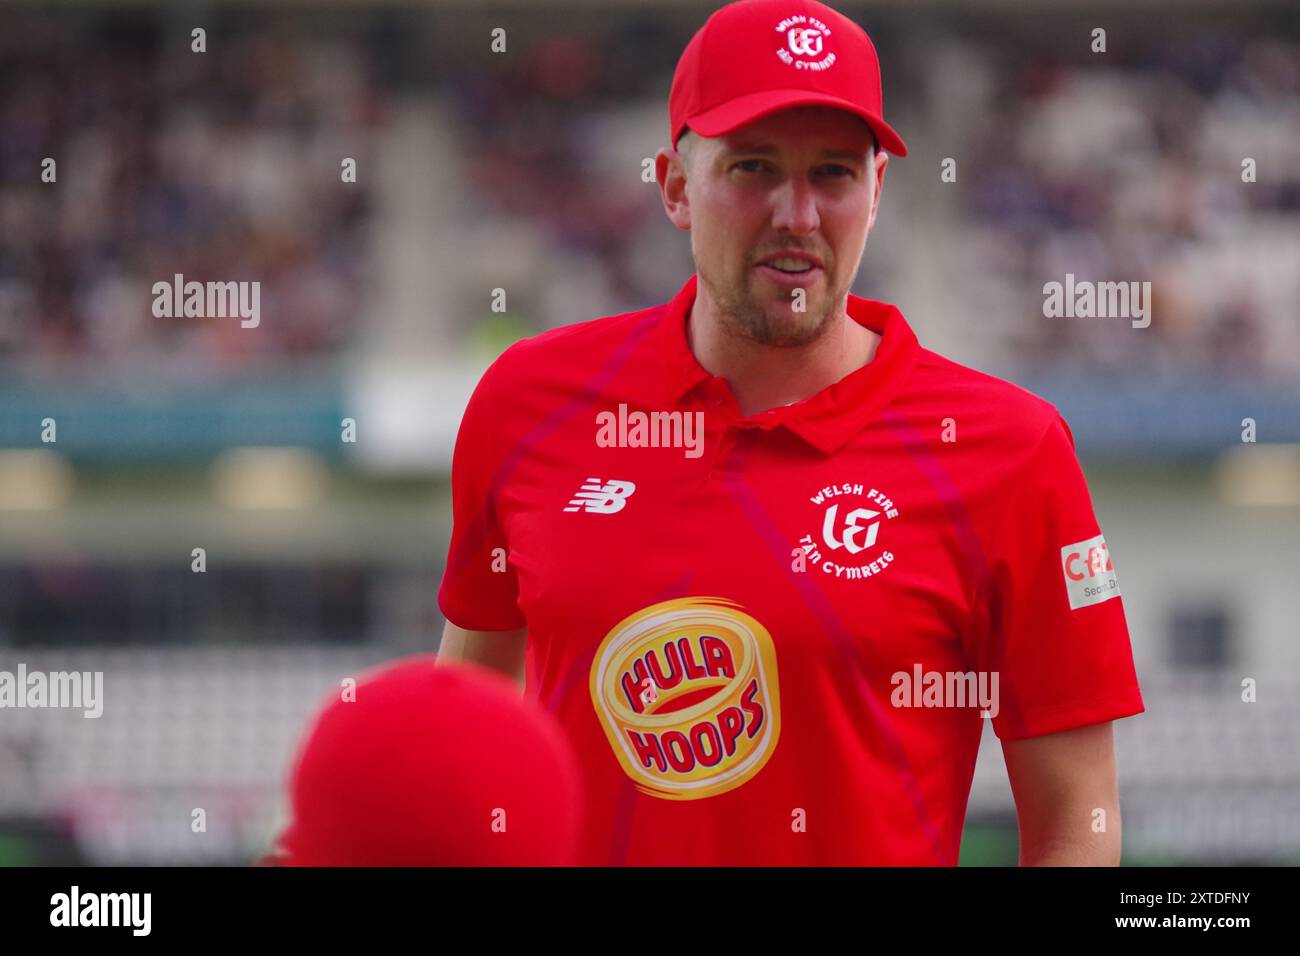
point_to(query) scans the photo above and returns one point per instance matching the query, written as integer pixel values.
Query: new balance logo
(602, 499)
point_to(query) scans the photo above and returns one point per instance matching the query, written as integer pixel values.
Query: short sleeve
(480, 589)
(1052, 624)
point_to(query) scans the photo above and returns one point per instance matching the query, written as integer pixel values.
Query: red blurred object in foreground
(432, 766)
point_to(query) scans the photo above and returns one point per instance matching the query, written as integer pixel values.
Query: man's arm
(502, 651)
(1059, 781)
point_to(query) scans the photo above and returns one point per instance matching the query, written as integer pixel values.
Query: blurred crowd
(1123, 166)
(1130, 166)
(220, 166)
(541, 140)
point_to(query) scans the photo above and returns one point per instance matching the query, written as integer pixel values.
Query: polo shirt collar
(826, 420)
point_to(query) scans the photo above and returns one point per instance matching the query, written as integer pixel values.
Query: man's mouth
(790, 266)
(789, 273)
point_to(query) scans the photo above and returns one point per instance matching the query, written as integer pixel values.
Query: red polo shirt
(772, 639)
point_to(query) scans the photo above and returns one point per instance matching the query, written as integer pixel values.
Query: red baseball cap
(432, 765)
(756, 57)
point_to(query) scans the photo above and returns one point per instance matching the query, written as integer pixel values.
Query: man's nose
(795, 207)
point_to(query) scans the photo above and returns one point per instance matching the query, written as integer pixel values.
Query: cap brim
(736, 113)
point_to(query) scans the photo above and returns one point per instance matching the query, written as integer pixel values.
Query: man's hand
(1059, 782)
(502, 651)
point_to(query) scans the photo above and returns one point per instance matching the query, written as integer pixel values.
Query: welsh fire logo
(687, 693)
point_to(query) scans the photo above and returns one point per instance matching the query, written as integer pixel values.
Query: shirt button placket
(718, 459)
(716, 408)
(730, 462)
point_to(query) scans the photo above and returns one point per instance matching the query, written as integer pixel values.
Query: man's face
(802, 179)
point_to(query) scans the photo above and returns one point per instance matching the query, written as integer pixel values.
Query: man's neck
(766, 376)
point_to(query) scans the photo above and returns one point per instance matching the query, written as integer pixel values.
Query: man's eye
(756, 165)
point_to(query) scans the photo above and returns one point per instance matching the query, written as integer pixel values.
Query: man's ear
(670, 173)
(878, 164)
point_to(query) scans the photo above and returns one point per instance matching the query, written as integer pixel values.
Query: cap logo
(804, 39)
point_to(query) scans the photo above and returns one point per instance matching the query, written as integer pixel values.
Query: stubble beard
(745, 317)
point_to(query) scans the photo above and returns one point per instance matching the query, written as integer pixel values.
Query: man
(770, 560)
(424, 765)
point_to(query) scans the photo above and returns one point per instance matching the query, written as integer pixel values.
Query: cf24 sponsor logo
(1078, 566)
(1089, 573)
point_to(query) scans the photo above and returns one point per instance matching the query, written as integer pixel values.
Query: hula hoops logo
(687, 693)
